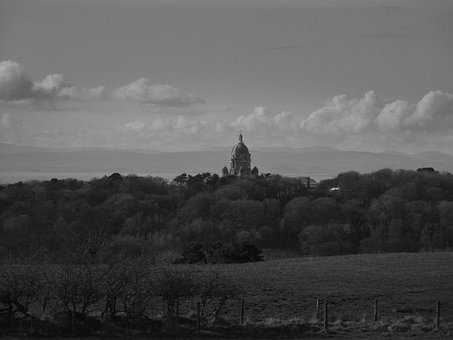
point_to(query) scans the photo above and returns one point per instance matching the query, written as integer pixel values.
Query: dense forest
(212, 219)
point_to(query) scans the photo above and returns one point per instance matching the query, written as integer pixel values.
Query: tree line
(88, 298)
(206, 218)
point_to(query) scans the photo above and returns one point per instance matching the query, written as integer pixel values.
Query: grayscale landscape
(226, 169)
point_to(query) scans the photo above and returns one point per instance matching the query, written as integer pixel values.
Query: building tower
(240, 159)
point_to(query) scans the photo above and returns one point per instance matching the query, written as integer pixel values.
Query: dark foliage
(228, 218)
(81, 300)
(238, 252)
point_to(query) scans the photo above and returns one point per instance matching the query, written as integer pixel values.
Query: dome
(240, 159)
(240, 148)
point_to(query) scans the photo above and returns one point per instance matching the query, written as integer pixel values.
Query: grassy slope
(288, 288)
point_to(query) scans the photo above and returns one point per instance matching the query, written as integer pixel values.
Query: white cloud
(16, 85)
(263, 119)
(392, 115)
(177, 125)
(170, 126)
(50, 86)
(53, 86)
(77, 93)
(343, 115)
(365, 122)
(190, 126)
(135, 126)
(434, 108)
(143, 91)
(14, 82)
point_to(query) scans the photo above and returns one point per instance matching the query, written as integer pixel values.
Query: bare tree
(20, 288)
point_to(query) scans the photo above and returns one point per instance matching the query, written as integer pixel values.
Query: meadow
(403, 283)
(276, 298)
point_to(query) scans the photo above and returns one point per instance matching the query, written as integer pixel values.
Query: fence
(324, 313)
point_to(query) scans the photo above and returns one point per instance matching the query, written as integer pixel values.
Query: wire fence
(321, 311)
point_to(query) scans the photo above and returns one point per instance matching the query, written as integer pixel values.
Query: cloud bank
(54, 86)
(16, 85)
(263, 119)
(118, 118)
(342, 115)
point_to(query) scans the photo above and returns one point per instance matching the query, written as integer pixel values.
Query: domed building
(240, 159)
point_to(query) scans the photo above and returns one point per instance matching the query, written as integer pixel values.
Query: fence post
(326, 316)
(72, 323)
(317, 309)
(437, 319)
(242, 311)
(376, 311)
(199, 317)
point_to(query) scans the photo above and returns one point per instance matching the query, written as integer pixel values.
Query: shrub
(214, 291)
(77, 288)
(20, 288)
(173, 284)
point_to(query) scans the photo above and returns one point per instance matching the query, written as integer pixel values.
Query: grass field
(404, 284)
(280, 295)
(348, 337)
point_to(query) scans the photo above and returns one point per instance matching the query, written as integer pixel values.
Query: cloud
(263, 119)
(174, 121)
(135, 126)
(16, 85)
(342, 115)
(179, 125)
(392, 115)
(143, 91)
(14, 82)
(77, 93)
(50, 86)
(54, 86)
(434, 108)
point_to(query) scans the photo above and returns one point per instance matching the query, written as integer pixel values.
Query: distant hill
(26, 162)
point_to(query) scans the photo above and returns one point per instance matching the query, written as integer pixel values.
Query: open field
(280, 298)
(404, 284)
(348, 337)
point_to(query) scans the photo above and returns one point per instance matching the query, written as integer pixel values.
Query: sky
(169, 75)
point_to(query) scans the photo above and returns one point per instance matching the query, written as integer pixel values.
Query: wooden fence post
(437, 316)
(326, 316)
(376, 311)
(242, 311)
(199, 317)
(317, 309)
(72, 323)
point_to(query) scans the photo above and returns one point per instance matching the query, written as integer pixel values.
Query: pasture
(404, 283)
(278, 298)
